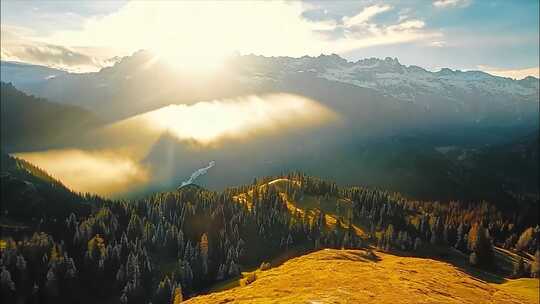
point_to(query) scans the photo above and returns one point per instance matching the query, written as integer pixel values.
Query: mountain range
(136, 84)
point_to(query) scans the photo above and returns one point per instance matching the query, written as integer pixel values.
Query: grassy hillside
(349, 276)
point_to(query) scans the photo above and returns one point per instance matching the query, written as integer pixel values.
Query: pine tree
(473, 259)
(51, 283)
(480, 244)
(519, 268)
(221, 272)
(535, 266)
(460, 238)
(163, 292)
(123, 298)
(289, 241)
(417, 243)
(525, 239)
(177, 299)
(6, 282)
(472, 235)
(204, 253)
(233, 270)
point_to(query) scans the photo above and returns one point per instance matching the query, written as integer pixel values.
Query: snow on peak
(389, 76)
(392, 78)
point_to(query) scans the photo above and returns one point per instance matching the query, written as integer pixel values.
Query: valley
(304, 151)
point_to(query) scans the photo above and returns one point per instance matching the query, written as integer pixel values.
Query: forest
(171, 246)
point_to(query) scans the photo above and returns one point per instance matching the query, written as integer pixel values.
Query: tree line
(171, 245)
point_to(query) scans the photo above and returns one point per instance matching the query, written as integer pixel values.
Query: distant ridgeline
(176, 244)
(29, 123)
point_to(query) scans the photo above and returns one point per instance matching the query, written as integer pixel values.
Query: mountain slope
(506, 170)
(348, 276)
(29, 193)
(193, 239)
(30, 123)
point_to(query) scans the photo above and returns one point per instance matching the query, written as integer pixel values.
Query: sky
(497, 36)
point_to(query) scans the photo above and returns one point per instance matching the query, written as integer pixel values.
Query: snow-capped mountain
(390, 77)
(374, 89)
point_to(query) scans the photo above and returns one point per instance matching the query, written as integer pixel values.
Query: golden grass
(527, 288)
(347, 276)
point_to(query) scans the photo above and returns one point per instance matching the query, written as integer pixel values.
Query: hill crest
(348, 276)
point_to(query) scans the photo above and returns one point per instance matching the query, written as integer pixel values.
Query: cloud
(200, 30)
(365, 15)
(409, 24)
(17, 46)
(50, 55)
(451, 3)
(437, 44)
(404, 14)
(511, 73)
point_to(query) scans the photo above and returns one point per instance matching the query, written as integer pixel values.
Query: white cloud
(437, 44)
(198, 31)
(404, 14)
(365, 15)
(451, 3)
(50, 55)
(409, 24)
(18, 45)
(511, 73)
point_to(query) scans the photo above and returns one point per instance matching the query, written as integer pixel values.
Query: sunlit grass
(528, 288)
(349, 276)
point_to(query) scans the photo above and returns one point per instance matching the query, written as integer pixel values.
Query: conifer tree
(204, 253)
(519, 268)
(177, 299)
(535, 266)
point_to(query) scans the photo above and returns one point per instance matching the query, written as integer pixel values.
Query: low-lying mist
(105, 172)
(126, 157)
(208, 122)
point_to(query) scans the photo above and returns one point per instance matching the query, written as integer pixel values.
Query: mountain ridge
(143, 82)
(310, 63)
